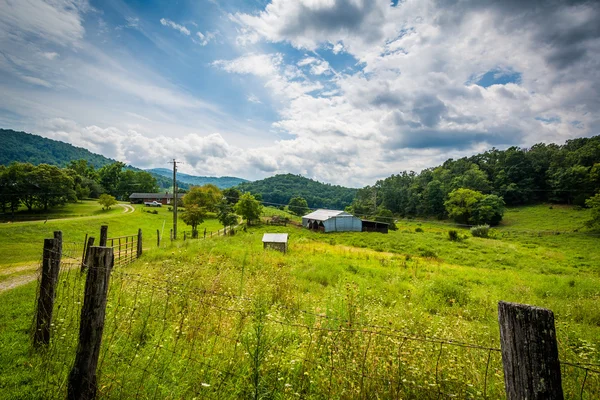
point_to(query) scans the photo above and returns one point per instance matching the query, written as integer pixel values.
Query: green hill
(28, 148)
(279, 189)
(223, 182)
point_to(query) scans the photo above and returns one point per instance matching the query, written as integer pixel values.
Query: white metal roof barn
(332, 221)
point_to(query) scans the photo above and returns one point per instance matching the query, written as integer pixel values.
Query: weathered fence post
(171, 235)
(48, 282)
(84, 250)
(82, 379)
(86, 258)
(139, 242)
(204, 233)
(224, 231)
(184, 236)
(529, 352)
(157, 238)
(103, 235)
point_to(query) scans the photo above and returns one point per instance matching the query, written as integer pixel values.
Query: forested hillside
(279, 189)
(568, 174)
(27, 148)
(222, 182)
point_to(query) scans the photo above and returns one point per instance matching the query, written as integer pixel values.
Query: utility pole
(174, 162)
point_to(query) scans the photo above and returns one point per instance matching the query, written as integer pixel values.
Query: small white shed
(275, 241)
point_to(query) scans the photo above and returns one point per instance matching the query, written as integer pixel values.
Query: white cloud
(254, 99)
(50, 55)
(55, 21)
(177, 27)
(264, 65)
(205, 38)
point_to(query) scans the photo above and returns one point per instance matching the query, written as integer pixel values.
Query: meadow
(409, 314)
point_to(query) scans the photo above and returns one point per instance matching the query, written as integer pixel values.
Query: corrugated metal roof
(275, 237)
(324, 215)
(151, 196)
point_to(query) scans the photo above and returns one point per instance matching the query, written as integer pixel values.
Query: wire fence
(169, 337)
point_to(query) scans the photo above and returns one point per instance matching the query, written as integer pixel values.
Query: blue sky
(344, 91)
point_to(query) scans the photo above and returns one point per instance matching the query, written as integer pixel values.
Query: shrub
(427, 253)
(481, 231)
(453, 235)
(419, 229)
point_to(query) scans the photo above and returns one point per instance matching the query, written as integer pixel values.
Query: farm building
(275, 241)
(332, 221)
(374, 226)
(140, 198)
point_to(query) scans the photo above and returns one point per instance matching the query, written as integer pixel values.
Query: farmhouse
(275, 241)
(139, 198)
(332, 221)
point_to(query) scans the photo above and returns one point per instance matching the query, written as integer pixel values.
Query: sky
(342, 91)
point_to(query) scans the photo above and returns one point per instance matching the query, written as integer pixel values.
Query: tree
(109, 177)
(225, 214)
(232, 195)
(461, 204)
(468, 206)
(136, 181)
(107, 201)
(385, 215)
(207, 197)
(488, 210)
(194, 216)
(594, 204)
(249, 208)
(298, 206)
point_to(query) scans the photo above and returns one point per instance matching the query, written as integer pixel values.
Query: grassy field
(21, 242)
(346, 315)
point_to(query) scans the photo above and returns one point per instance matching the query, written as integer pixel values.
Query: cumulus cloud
(205, 38)
(177, 27)
(419, 61)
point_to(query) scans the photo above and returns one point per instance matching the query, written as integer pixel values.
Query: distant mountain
(223, 182)
(34, 149)
(279, 189)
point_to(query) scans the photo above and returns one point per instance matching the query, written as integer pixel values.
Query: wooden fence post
(139, 243)
(184, 236)
(157, 238)
(45, 305)
(82, 379)
(171, 235)
(204, 233)
(103, 235)
(84, 251)
(529, 352)
(86, 258)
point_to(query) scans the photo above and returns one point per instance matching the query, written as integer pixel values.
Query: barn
(140, 198)
(332, 221)
(275, 241)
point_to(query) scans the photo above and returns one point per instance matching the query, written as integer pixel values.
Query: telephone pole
(175, 197)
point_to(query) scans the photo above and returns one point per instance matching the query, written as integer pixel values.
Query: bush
(481, 231)
(419, 229)
(453, 235)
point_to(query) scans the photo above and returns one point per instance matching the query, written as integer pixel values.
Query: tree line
(45, 186)
(568, 174)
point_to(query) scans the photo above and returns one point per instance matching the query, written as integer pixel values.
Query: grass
(220, 318)
(82, 208)
(21, 242)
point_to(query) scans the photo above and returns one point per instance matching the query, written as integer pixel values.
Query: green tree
(488, 210)
(385, 215)
(461, 204)
(594, 204)
(298, 206)
(207, 197)
(225, 214)
(194, 216)
(109, 177)
(232, 195)
(249, 208)
(136, 182)
(53, 186)
(107, 201)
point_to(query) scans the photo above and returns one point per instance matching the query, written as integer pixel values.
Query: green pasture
(262, 316)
